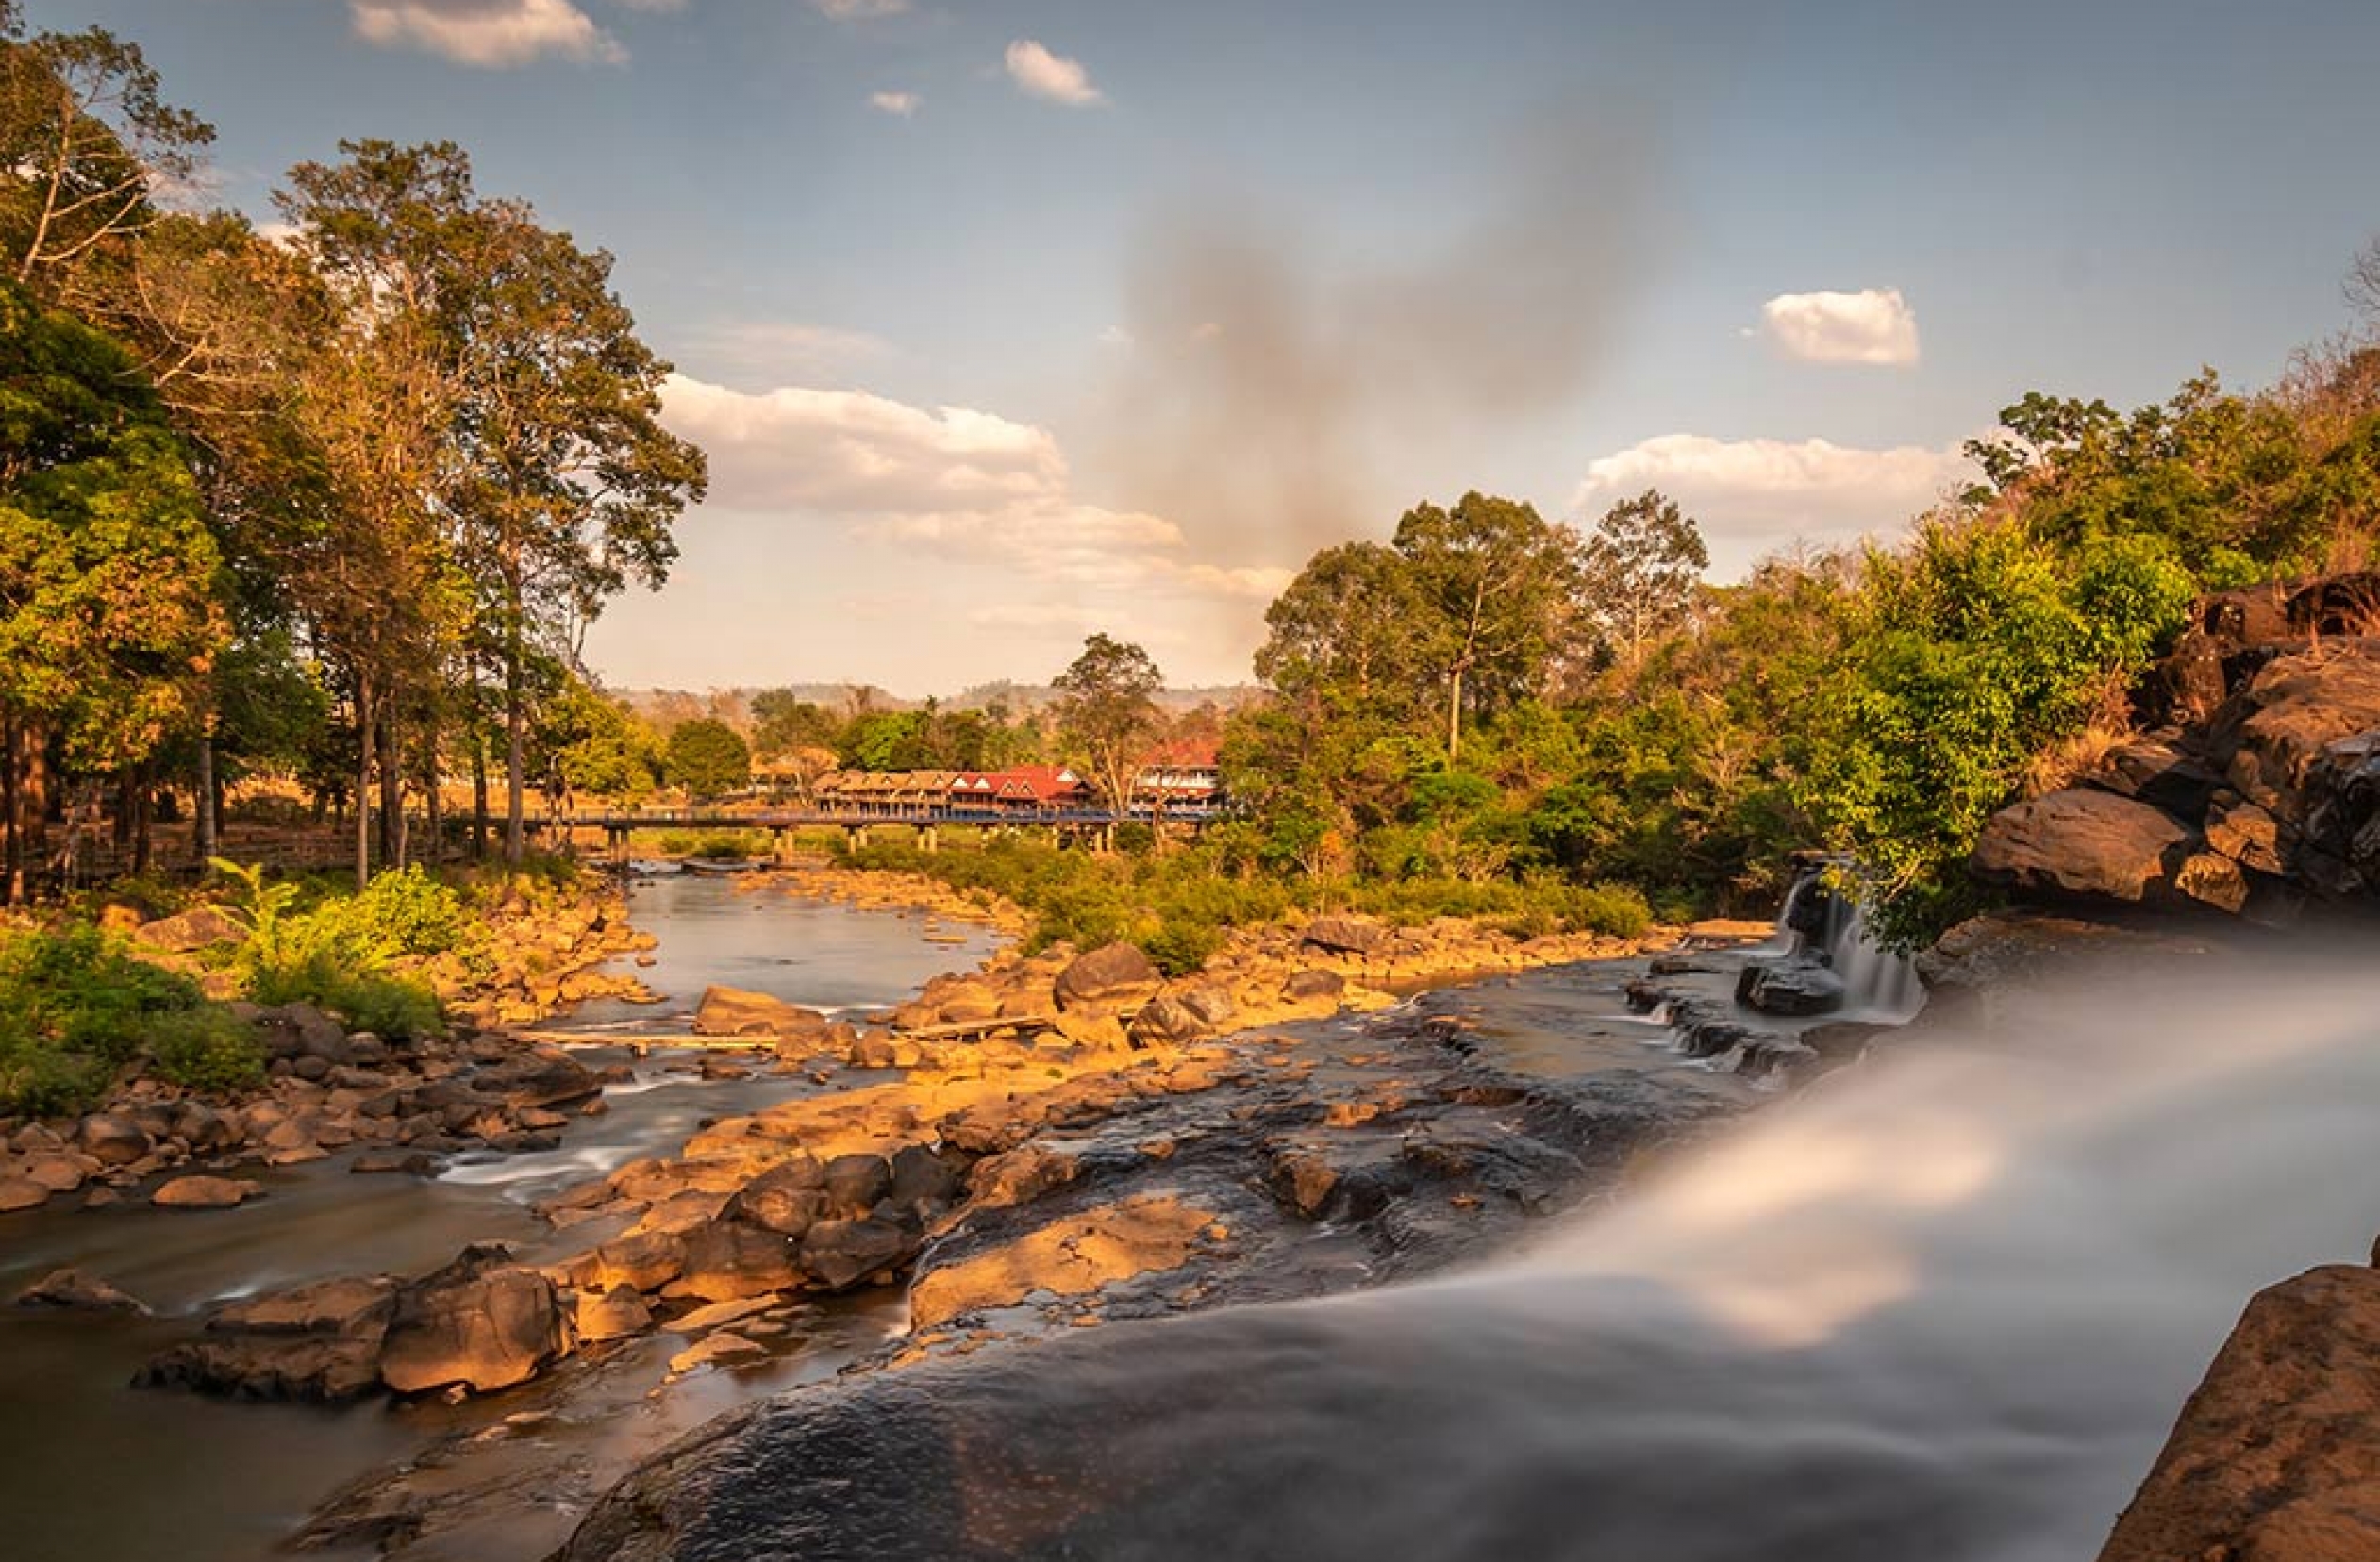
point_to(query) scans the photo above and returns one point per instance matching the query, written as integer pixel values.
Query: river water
(94, 1470)
(1940, 1307)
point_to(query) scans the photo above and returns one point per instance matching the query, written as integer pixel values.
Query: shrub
(76, 1007)
(206, 1049)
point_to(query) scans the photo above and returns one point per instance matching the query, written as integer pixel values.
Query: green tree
(1107, 711)
(707, 757)
(1638, 574)
(1344, 634)
(1498, 581)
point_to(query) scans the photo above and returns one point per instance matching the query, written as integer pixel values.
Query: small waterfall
(1822, 944)
(1878, 983)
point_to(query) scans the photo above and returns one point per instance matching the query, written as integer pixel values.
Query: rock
(615, 1314)
(1070, 1257)
(60, 1173)
(2158, 771)
(111, 1138)
(924, 1182)
(413, 1163)
(855, 1183)
(1307, 986)
(1115, 977)
(840, 1253)
(733, 1011)
(2247, 835)
(315, 1342)
(482, 1322)
(1306, 1181)
(2088, 843)
(1167, 1021)
(727, 1260)
(72, 1288)
(300, 1030)
(200, 928)
(1212, 1006)
(2276, 1457)
(720, 1347)
(1790, 987)
(200, 1192)
(1344, 936)
(543, 1078)
(785, 1199)
(643, 1260)
(2212, 879)
(21, 1194)
(1019, 1175)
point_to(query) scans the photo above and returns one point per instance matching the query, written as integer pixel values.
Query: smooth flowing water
(92, 1470)
(1942, 1307)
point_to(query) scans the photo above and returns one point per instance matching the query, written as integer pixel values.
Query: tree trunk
(391, 793)
(515, 740)
(203, 798)
(364, 780)
(144, 812)
(12, 854)
(434, 805)
(1454, 714)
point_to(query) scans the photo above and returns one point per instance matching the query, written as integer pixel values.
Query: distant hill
(668, 706)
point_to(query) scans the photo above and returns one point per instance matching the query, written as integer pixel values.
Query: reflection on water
(1941, 1308)
(92, 1470)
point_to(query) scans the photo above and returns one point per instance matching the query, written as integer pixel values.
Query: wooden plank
(979, 1027)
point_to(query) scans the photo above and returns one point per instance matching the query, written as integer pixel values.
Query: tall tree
(1107, 711)
(1638, 574)
(1344, 631)
(1498, 580)
(85, 141)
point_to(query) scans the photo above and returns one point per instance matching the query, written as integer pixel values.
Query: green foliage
(707, 757)
(206, 1049)
(713, 845)
(347, 953)
(76, 1007)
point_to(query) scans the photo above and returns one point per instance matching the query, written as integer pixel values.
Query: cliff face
(2276, 1457)
(2257, 792)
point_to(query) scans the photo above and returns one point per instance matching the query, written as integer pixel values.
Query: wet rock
(61, 1172)
(1019, 1175)
(786, 1199)
(315, 1342)
(1070, 1257)
(1167, 1021)
(1115, 977)
(201, 1192)
(544, 1078)
(72, 1289)
(644, 1260)
(923, 1181)
(411, 1163)
(855, 1183)
(733, 1011)
(838, 1255)
(482, 1322)
(1792, 987)
(2088, 843)
(715, 1349)
(2276, 1457)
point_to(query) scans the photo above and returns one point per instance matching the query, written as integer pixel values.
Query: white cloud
(1044, 75)
(491, 34)
(901, 104)
(962, 483)
(1755, 493)
(1873, 325)
(858, 11)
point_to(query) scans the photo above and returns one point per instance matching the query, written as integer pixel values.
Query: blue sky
(1002, 322)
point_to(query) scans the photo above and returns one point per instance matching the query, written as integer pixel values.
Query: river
(93, 1470)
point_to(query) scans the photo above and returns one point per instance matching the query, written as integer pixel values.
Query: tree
(707, 757)
(1344, 631)
(1108, 713)
(1498, 580)
(1638, 574)
(110, 610)
(84, 139)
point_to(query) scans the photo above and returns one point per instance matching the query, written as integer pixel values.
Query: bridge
(1095, 827)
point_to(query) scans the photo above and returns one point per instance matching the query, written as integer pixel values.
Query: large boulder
(727, 1260)
(1345, 936)
(734, 1011)
(1791, 986)
(320, 1341)
(839, 1254)
(200, 928)
(2093, 844)
(2276, 1457)
(111, 1138)
(1116, 975)
(482, 1322)
(196, 1193)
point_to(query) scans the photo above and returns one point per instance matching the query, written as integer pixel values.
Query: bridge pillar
(855, 837)
(617, 838)
(928, 839)
(779, 851)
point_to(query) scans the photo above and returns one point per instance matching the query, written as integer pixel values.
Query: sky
(1006, 321)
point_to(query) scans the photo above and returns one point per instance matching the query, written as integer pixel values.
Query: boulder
(320, 1341)
(1345, 936)
(1212, 1006)
(923, 1181)
(2158, 771)
(111, 1138)
(2276, 1457)
(2212, 879)
(1116, 975)
(841, 1253)
(2086, 843)
(1790, 987)
(21, 1194)
(58, 1171)
(1167, 1021)
(543, 1078)
(79, 1293)
(199, 1192)
(2246, 834)
(1309, 986)
(1019, 1175)
(643, 1260)
(614, 1314)
(734, 1011)
(200, 928)
(300, 1030)
(727, 1260)
(482, 1322)
(855, 1183)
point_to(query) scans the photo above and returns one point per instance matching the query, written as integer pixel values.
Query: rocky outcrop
(482, 1322)
(2276, 1457)
(2261, 792)
(1114, 976)
(316, 1342)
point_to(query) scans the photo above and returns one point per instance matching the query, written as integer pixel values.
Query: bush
(393, 1007)
(206, 1049)
(76, 1006)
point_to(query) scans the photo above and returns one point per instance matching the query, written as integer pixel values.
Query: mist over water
(1944, 1306)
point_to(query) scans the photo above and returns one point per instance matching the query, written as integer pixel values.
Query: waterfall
(1878, 983)
(1822, 942)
